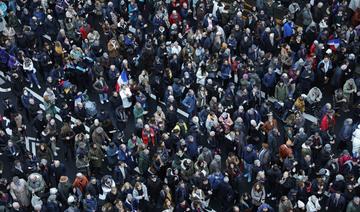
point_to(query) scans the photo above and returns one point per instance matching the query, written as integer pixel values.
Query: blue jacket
(288, 29)
(190, 103)
(269, 80)
(111, 152)
(215, 179)
(132, 10)
(25, 101)
(249, 156)
(90, 205)
(112, 74)
(225, 71)
(128, 41)
(177, 89)
(192, 149)
(157, 22)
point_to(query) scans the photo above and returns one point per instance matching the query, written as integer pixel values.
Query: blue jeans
(248, 169)
(103, 97)
(32, 78)
(12, 5)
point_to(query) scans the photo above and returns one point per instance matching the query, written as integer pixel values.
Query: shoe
(57, 148)
(102, 102)
(55, 154)
(39, 86)
(106, 100)
(31, 85)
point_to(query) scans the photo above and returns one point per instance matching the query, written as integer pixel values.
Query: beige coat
(20, 192)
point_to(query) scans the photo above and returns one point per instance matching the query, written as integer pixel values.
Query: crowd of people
(180, 105)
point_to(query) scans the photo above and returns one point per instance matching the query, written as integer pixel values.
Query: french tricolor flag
(122, 80)
(334, 44)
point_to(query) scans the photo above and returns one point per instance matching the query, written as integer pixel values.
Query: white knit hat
(71, 199)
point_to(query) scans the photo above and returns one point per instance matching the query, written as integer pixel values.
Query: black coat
(119, 177)
(17, 172)
(154, 189)
(336, 204)
(56, 173)
(225, 194)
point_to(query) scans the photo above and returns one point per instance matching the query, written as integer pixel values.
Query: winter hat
(53, 190)
(71, 199)
(323, 24)
(52, 198)
(99, 130)
(217, 157)
(63, 179)
(253, 122)
(327, 147)
(322, 172)
(249, 147)
(339, 177)
(351, 56)
(105, 55)
(182, 142)
(43, 161)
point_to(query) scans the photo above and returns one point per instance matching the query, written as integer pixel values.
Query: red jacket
(326, 122)
(148, 137)
(174, 19)
(84, 30)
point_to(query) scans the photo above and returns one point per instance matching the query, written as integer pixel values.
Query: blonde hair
(126, 185)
